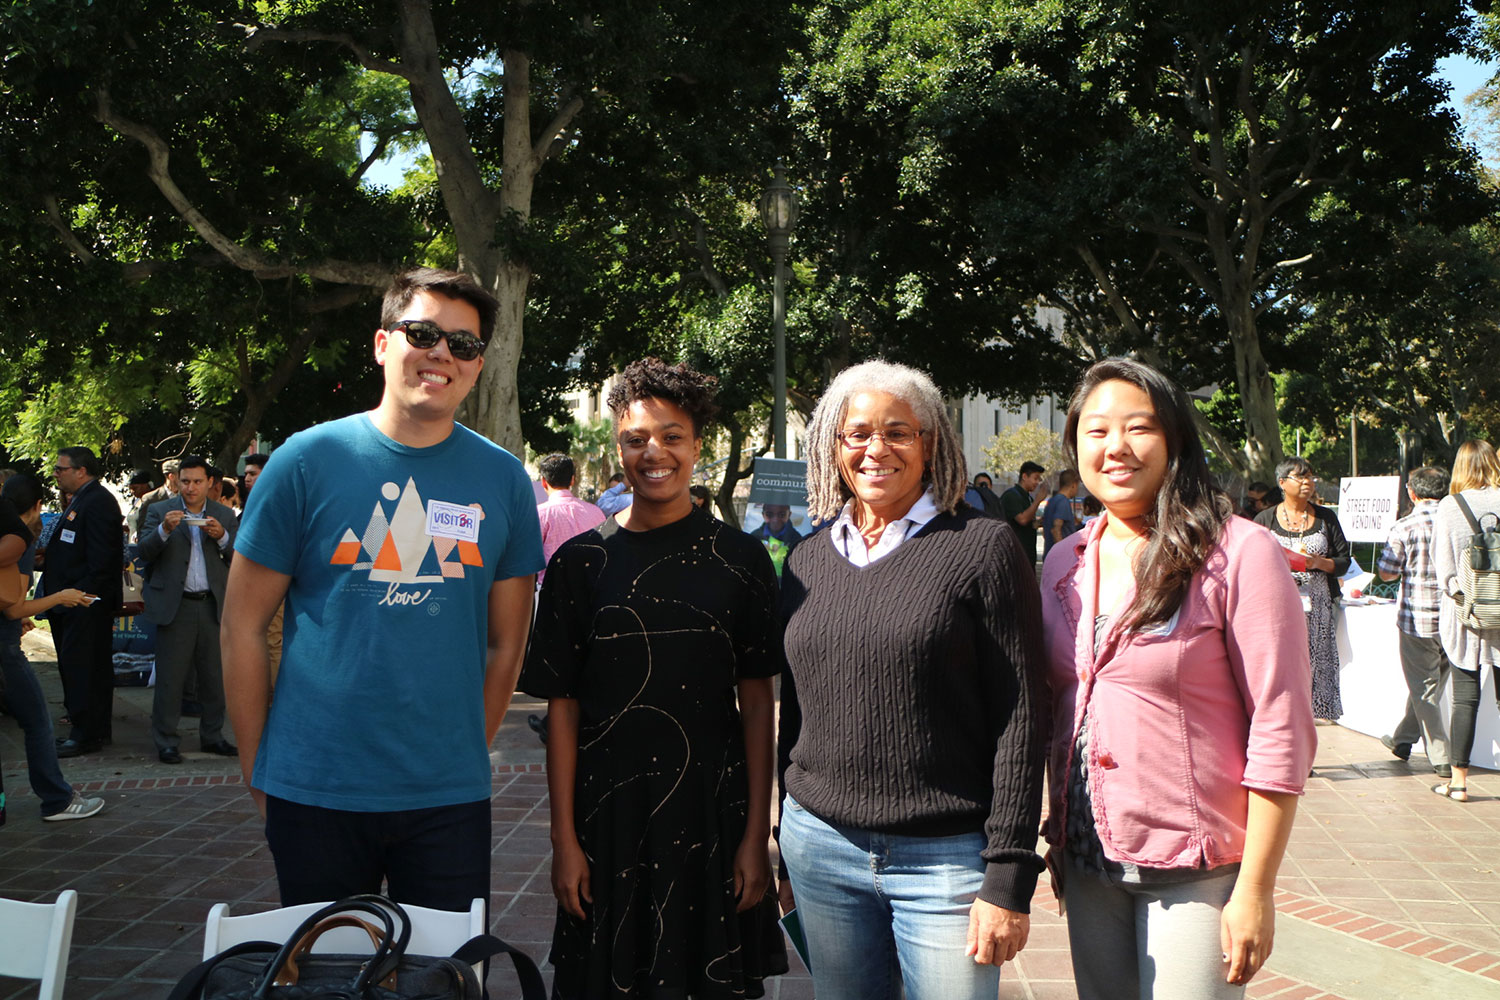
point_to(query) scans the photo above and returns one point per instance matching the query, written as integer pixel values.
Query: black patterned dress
(650, 631)
(1322, 611)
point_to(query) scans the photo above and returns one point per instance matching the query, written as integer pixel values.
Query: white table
(1374, 690)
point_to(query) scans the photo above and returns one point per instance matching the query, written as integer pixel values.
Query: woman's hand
(570, 877)
(996, 935)
(72, 597)
(1246, 932)
(752, 871)
(784, 896)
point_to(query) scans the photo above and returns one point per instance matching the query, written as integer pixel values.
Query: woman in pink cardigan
(1182, 727)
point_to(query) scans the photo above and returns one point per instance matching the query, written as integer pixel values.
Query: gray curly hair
(946, 473)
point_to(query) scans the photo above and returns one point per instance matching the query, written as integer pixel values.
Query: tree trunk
(1257, 397)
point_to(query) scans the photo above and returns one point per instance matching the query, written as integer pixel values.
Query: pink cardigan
(1187, 716)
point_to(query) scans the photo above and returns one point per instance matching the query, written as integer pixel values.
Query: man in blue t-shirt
(1058, 520)
(405, 547)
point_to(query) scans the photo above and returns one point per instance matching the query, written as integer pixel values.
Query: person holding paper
(911, 721)
(1317, 553)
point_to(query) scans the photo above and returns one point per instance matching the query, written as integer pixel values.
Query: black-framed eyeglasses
(894, 437)
(424, 335)
(62, 468)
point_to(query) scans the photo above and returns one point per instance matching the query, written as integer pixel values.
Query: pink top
(1185, 716)
(562, 517)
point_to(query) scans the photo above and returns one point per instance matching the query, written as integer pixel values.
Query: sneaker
(79, 808)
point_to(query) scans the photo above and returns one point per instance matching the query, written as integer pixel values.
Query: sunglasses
(424, 335)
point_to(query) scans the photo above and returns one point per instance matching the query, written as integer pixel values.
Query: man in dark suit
(187, 543)
(86, 551)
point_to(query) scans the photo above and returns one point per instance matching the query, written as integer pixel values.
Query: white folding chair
(433, 932)
(34, 941)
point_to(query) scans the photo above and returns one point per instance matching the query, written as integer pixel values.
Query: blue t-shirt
(379, 701)
(1059, 508)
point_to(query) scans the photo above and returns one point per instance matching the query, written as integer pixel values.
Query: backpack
(1478, 598)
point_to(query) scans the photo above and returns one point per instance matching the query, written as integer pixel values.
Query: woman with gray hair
(911, 741)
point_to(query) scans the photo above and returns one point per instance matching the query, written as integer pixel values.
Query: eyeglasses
(1300, 480)
(424, 335)
(62, 468)
(894, 437)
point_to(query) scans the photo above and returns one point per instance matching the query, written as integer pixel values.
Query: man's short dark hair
(1430, 482)
(1029, 467)
(450, 284)
(82, 458)
(1258, 487)
(258, 460)
(24, 491)
(1066, 478)
(618, 477)
(226, 490)
(195, 462)
(557, 470)
(653, 378)
(140, 477)
(985, 476)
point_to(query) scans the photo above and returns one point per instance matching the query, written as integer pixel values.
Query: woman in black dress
(656, 640)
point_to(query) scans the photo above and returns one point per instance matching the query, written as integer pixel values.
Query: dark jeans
(1466, 687)
(438, 857)
(24, 693)
(86, 663)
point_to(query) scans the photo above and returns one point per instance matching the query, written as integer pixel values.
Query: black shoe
(1401, 751)
(223, 748)
(169, 756)
(77, 748)
(538, 724)
(1443, 771)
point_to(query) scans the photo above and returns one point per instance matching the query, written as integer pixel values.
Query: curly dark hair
(653, 378)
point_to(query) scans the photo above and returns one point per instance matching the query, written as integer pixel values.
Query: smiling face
(427, 385)
(775, 516)
(658, 449)
(1122, 449)
(884, 480)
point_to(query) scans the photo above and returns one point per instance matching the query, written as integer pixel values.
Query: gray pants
(1426, 668)
(189, 645)
(1152, 942)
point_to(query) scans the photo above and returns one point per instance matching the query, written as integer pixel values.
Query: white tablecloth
(1374, 690)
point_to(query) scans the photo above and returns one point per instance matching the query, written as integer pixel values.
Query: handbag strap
(190, 986)
(289, 975)
(387, 954)
(486, 946)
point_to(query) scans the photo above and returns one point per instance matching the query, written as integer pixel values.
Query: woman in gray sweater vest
(912, 723)
(1476, 476)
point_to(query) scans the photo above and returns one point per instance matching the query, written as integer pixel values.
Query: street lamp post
(778, 210)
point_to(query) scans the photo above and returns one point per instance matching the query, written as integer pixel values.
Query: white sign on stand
(1367, 506)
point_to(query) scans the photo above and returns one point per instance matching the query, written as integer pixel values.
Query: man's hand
(171, 520)
(996, 935)
(214, 529)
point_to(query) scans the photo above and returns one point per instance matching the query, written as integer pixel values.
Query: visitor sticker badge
(67, 535)
(451, 520)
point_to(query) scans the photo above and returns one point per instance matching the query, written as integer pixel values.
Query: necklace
(1304, 519)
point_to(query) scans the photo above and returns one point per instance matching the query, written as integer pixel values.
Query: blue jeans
(883, 911)
(24, 693)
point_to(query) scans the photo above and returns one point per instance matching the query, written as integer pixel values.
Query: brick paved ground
(1387, 891)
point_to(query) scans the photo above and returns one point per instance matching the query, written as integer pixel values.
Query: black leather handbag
(262, 970)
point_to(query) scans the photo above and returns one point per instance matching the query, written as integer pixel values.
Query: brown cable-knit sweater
(915, 698)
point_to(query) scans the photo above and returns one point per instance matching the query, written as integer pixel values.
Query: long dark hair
(1184, 524)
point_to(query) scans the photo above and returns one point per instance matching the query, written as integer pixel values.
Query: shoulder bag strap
(190, 986)
(1463, 505)
(487, 946)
